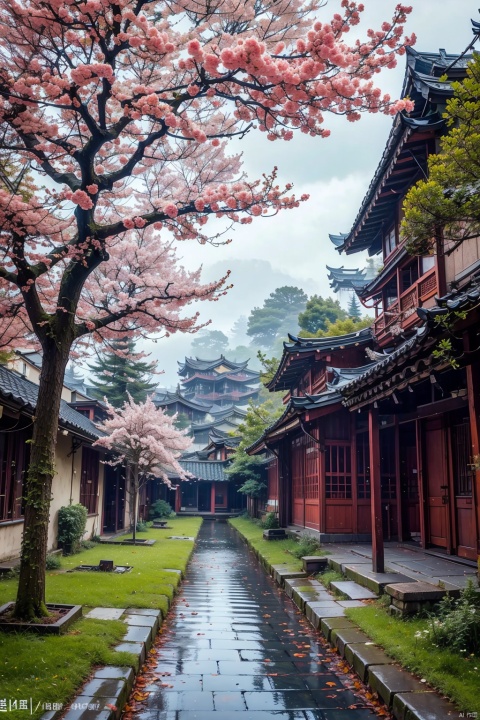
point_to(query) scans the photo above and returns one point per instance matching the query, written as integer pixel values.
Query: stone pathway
(234, 646)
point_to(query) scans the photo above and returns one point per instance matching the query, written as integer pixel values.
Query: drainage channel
(234, 647)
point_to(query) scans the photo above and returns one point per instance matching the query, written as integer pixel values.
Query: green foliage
(320, 313)
(253, 488)
(142, 526)
(53, 562)
(182, 421)
(277, 316)
(330, 576)
(270, 521)
(354, 309)
(340, 327)
(210, 344)
(456, 624)
(72, 521)
(269, 367)
(448, 202)
(121, 371)
(307, 545)
(161, 509)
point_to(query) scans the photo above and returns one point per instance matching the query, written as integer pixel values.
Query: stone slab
(328, 624)
(145, 611)
(361, 656)
(388, 680)
(147, 621)
(138, 634)
(119, 673)
(105, 613)
(180, 537)
(350, 603)
(136, 648)
(374, 581)
(422, 706)
(340, 637)
(352, 590)
(282, 572)
(314, 607)
(318, 614)
(314, 563)
(415, 592)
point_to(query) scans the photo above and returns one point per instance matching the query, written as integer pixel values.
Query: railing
(401, 314)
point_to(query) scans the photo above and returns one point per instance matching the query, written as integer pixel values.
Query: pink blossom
(171, 210)
(92, 189)
(80, 197)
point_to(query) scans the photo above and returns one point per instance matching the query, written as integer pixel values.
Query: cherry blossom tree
(145, 439)
(121, 110)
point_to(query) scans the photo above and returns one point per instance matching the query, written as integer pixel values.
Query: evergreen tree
(354, 308)
(121, 371)
(319, 312)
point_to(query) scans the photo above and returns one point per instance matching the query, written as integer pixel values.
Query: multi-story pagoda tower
(221, 381)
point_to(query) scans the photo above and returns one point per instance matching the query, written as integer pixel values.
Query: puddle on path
(234, 647)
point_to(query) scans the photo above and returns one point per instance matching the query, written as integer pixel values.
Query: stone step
(353, 590)
(376, 582)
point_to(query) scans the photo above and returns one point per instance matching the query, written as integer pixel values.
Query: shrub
(456, 624)
(160, 509)
(270, 521)
(307, 545)
(72, 521)
(142, 526)
(53, 562)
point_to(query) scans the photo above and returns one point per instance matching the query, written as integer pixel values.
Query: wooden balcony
(401, 315)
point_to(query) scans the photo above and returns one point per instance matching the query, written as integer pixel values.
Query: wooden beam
(378, 560)
(473, 388)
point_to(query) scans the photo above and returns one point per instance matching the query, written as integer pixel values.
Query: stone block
(274, 534)
(282, 572)
(136, 648)
(136, 633)
(147, 621)
(340, 637)
(352, 590)
(415, 592)
(388, 680)
(361, 656)
(315, 607)
(328, 624)
(376, 582)
(314, 563)
(422, 706)
(105, 613)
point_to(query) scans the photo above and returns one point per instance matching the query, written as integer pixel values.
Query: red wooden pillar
(212, 498)
(178, 498)
(378, 562)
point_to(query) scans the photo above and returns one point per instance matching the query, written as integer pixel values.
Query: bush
(53, 562)
(270, 521)
(307, 545)
(72, 521)
(161, 509)
(456, 624)
(143, 525)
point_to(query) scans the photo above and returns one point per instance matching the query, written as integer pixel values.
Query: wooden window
(298, 458)
(89, 480)
(427, 262)
(409, 276)
(338, 471)
(391, 292)
(390, 241)
(363, 466)
(461, 459)
(14, 457)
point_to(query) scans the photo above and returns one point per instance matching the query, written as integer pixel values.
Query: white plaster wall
(464, 256)
(10, 540)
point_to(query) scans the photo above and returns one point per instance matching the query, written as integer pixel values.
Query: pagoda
(219, 381)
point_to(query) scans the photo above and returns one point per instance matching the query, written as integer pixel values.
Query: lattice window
(89, 480)
(363, 466)
(428, 286)
(338, 471)
(461, 457)
(311, 469)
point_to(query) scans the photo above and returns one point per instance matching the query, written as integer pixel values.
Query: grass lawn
(275, 551)
(454, 676)
(50, 669)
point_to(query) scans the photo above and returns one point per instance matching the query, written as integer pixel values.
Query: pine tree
(354, 308)
(121, 371)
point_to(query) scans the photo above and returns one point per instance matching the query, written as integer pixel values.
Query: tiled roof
(206, 469)
(199, 364)
(24, 393)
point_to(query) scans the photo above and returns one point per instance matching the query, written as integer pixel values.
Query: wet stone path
(235, 647)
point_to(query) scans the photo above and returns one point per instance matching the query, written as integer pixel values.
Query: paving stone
(314, 563)
(340, 637)
(148, 621)
(100, 613)
(116, 673)
(422, 706)
(311, 607)
(350, 603)
(317, 614)
(388, 680)
(179, 537)
(361, 656)
(144, 611)
(281, 572)
(75, 714)
(352, 590)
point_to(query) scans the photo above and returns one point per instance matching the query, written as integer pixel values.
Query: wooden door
(437, 497)
(463, 475)
(409, 479)
(298, 481)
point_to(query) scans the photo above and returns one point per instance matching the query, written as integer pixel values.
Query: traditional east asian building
(177, 403)
(219, 381)
(380, 434)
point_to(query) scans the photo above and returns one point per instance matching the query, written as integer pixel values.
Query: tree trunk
(135, 501)
(30, 602)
